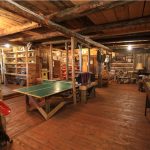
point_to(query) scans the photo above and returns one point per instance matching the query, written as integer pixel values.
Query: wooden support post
(73, 69)
(51, 62)
(100, 73)
(80, 57)
(27, 63)
(2, 67)
(88, 59)
(67, 61)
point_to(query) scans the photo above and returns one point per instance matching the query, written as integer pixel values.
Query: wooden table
(45, 91)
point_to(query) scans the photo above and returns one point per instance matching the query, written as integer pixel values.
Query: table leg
(94, 93)
(27, 103)
(83, 96)
(47, 106)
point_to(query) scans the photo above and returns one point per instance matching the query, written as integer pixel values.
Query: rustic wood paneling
(122, 12)
(110, 15)
(78, 2)
(147, 8)
(97, 18)
(125, 30)
(136, 9)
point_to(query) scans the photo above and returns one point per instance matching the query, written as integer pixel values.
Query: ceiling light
(129, 47)
(7, 45)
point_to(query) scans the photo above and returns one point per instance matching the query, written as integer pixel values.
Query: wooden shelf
(22, 63)
(10, 63)
(12, 67)
(20, 67)
(21, 57)
(10, 52)
(21, 74)
(13, 74)
(11, 57)
(21, 51)
(31, 51)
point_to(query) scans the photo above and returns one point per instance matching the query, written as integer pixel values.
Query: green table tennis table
(44, 91)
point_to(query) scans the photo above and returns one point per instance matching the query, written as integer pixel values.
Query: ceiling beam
(126, 37)
(133, 46)
(123, 34)
(100, 27)
(138, 21)
(141, 50)
(41, 19)
(41, 37)
(17, 29)
(74, 12)
(139, 42)
(85, 9)
(56, 42)
(120, 24)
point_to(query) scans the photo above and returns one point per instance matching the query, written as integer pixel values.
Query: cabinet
(19, 64)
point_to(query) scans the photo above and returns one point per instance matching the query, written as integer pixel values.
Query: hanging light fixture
(129, 47)
(7, 45)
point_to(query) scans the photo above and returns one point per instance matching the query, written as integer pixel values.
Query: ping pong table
(43, 92)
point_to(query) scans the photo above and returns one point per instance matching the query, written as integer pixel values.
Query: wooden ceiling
(103, 21)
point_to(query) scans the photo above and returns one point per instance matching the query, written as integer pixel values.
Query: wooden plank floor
(114, 120)
(7, 91)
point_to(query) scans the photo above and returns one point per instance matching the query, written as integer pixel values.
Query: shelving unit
(122, 66)
(123, 62)
(63, 65)
(20, 64)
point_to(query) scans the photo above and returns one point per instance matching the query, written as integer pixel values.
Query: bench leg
(83, 96)
(146, 104)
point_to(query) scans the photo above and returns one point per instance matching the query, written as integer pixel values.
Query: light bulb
(129, 47)
(7, 45)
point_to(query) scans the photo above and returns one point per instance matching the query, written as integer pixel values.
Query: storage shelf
(10, 52)
(20, 67)
(21, 51)
(12, 67)
(22, 63)
(121, 63)
(15, 74)
(11, 57)
(31, 51)
(10, 63)
(21, 74)
(21, 57)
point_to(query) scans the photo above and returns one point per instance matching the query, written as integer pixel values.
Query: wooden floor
(7, 91)
(114, 120)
